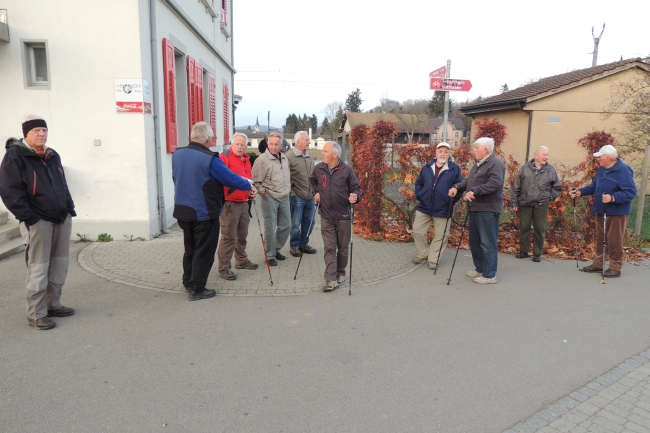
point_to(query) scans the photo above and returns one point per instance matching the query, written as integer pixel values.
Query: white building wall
(89, 45)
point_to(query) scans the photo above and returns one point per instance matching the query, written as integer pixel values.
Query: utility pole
(268, 124)
(445, 116)
(594, 62)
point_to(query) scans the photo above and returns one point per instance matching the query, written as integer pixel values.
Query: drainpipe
(154, 91)
(530, 128)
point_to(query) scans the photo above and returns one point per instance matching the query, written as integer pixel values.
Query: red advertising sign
(446, 84)
(438, 73)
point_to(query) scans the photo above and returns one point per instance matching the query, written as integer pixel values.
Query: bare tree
(413, 116)
(632, 99)
(387, 105)
(334, 114)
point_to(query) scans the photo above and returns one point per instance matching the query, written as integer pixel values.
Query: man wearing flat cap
(435, 207)
(613, 189)
(33, 187)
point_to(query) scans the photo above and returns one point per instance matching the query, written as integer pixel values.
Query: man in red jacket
(235, 216)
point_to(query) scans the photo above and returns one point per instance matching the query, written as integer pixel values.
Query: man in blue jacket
(34, 189)
(199, 178)
(432, 191)
(613, 189)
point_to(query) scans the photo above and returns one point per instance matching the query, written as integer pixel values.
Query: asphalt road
(405, 355)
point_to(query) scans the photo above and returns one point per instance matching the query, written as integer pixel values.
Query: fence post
(642, 192)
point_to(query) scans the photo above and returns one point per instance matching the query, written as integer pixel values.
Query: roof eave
(495, 106)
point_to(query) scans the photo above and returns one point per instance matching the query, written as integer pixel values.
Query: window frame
(29, 64)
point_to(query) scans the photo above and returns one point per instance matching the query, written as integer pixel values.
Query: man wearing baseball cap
(431, 190)
(613, 189)
(34, 189)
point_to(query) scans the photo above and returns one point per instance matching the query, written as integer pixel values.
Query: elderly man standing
(613, 189)
(535, 186)
(484, 191)
(34, 189)
(236, 212)
(272, 179)
(336, 188)
(302, 198)
(199, 178)
(432, 191)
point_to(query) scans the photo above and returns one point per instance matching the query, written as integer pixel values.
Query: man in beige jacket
(271, 177)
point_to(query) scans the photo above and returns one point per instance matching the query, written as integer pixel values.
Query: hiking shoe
(309, 250)
(202, 293)
(247, 265)
(417, 261)
(474, 274)
(331, 285)
(60, 312)
(522, 255)
(227, 275)
(340, 279)
(272, 262)
(611, 273)
(41, 324)
(537, 259)
(280, 256)
(295, 252)
(483, 280)
(591, 268)
(432, 266)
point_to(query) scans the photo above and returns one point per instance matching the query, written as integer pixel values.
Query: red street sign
(446, 84)
(438, 73)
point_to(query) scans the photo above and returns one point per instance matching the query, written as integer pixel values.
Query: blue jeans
(302, 214)
(483, 238)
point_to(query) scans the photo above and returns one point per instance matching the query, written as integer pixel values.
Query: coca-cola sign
(132, 96)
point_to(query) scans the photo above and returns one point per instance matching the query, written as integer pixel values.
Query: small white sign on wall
(132, 96)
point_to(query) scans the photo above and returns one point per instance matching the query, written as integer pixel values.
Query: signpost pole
(445, 118)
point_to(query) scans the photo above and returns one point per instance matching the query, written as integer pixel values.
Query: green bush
(104, 237)
(253, 156)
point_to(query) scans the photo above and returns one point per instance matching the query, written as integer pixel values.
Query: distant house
(455, 131)
(255, 135)
(557, 111)
(420, 127)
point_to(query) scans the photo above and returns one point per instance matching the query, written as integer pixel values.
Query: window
(224, 13)
(35, 64)
(456, 134)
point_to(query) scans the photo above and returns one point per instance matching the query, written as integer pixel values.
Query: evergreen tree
(325, 126)
(437, 104)
(354, 101)
(313, 123)
(504, 88)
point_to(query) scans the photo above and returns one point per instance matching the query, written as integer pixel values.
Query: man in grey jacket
(302, 197)
(484, 191)
(535, 186)
(271, 178)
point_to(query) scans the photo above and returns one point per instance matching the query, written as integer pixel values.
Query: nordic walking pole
(602, 275)
(302, 250)
(575, 230)
(263, 245)
(469, 204)
(451, 206)
(351, 246)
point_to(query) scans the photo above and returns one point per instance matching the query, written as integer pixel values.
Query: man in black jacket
(34, 189)
(336, 188)
(535, 186)
(484, 191)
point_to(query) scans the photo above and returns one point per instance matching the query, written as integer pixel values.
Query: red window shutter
(226, 115)
(169, 71)
(212, 89)
(198, 97)
(191, 92)
(224, 13)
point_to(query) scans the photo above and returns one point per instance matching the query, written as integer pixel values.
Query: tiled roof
(369, 119)
(523, 93)
(457, 123)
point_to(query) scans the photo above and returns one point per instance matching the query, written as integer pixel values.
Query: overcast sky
(298, 56)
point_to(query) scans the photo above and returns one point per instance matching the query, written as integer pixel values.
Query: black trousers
(200, 240)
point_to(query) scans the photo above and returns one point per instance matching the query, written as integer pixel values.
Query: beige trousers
(421, 226)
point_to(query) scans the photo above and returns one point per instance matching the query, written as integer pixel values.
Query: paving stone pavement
(156, 264)
(615, 402)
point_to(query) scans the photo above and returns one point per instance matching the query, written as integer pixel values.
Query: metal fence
(645, 222)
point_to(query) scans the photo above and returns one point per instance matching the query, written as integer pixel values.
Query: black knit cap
(31, 124)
